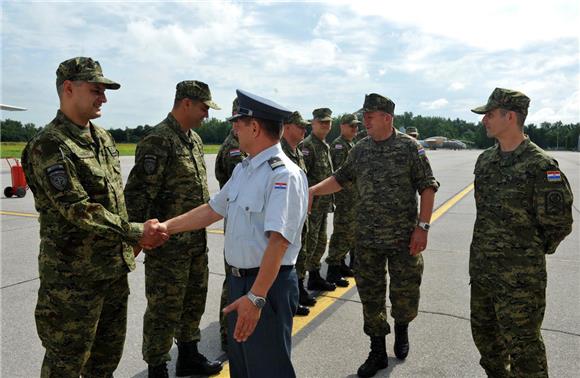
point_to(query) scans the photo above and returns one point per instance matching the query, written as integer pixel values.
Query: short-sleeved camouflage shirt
(387, 175)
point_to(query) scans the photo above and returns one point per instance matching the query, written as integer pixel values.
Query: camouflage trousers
(342, 238)
(405, 272)
(176, 278)
(82, 326)
(316, 239)
(303, 253)
(505, 324)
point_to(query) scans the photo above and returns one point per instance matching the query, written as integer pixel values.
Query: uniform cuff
(135, 233)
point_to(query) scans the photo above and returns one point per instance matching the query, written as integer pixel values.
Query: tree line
(547, 135)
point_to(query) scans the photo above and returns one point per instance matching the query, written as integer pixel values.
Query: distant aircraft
(11, 108)
(442, 142)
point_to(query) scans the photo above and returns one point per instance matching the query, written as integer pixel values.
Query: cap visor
(109, 84)
(481, 109)
(234, 117)
(212, 105)
(324, 119)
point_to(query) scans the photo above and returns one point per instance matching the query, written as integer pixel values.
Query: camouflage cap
(322, 114)
(349, 119)
(376, 103)
(506, 99)
(195, 90)
(83, 69)
(296, 119)
(412, 131)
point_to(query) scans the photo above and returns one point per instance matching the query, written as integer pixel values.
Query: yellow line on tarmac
(19, 214)
(324, 301)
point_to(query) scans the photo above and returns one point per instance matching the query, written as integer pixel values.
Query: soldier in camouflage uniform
(228, 156)
(169, 178)
(342, 239)
(72, 167)
(318, 167)
(412, 132)
(294, 130)
(524, 211)
(388, 169)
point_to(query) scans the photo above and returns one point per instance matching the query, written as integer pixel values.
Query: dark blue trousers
(267, 351)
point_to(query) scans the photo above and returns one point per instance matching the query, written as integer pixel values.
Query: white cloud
(456, 86)
(436, 104)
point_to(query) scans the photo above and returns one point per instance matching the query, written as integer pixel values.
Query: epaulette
(275, 162)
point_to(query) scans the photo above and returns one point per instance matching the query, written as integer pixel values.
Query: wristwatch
(259, 302)
(423, 225)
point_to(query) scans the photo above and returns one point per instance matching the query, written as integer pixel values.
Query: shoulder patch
(553, 176)
(554, 202)
(338, 147)
(275, 162)
(150, 164)
(235, 152)
(280, 185)
(305, 151)
(57, 177)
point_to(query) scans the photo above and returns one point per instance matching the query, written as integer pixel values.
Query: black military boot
(158, 371)
(345, 270)
(305, 298)
(401, 341)
(316, 282)
(333, 276)
(377, 358)
(302, 310)
(190, 361)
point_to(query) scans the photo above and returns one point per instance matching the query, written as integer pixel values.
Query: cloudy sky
(438, 58)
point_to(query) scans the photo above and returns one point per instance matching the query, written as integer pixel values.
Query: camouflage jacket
(296, 156)
(360, 135)
(339, 150)
(387, 176)
(228, 156)
(75, 176)
(169, 176)
(318, 167)
(524, 206)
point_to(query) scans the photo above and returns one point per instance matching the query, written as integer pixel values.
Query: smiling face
(377, 124)
(321, 128)
(86, 99)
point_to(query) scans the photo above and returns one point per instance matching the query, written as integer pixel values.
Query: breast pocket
(91, 175)
(247, 216)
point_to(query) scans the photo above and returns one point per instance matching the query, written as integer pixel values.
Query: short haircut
(520, 117)
(273, 129)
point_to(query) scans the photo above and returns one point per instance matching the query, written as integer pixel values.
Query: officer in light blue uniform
(265, 203)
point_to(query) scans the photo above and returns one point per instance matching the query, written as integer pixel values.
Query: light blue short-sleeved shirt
(262, 196)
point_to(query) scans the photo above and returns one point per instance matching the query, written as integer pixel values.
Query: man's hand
(248, 316)
(310, 199)
(154, 234)
(418, 241)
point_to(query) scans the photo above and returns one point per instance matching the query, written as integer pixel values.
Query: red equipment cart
(19, 185)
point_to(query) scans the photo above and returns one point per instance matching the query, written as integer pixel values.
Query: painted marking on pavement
(324, 301)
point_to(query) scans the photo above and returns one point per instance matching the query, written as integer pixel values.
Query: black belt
(239, 272)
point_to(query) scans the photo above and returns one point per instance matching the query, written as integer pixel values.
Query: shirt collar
(263, 156)
(515, 153)
(80, 134)
(175, 126)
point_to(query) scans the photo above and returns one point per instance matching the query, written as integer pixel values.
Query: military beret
(251, 105)
(195, 90)
(376, 103)
(83, 69)
(322, 114)
(296, 119)
(349, 119)
(506, 99)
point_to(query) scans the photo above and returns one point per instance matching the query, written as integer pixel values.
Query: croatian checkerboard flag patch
(553, 176)
(280, 185)
(235, 152)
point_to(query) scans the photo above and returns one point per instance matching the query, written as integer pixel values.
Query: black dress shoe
(302, 311)
(191, 362)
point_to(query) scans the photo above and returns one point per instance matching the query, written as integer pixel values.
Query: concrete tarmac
(332, 343)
